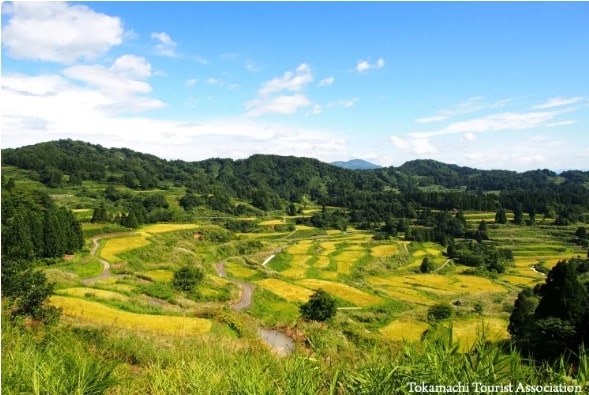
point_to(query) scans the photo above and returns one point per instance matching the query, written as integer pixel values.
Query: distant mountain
(356, 164)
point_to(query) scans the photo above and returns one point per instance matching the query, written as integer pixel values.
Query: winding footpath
(105, 264)
(247, 289)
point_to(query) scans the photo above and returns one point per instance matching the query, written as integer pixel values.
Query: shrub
(187, 278)
(320, 307)
(439, 312)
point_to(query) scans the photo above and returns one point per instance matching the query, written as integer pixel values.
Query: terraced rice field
(273, 222)
(385, 250)
(343, 291)
(115, 246)
(442, 285)
(519, 280)
(239, 270)
(97, 313)
(287, 291)
(466, 331)
(404, 329)
(346, 258)
(82, 292)
(162, 228)
(160, 275)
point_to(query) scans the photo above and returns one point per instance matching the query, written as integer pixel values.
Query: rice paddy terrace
(379, 289)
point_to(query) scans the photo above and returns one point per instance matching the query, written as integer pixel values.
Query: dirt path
(247, 290)
(105, 264)
(443, 266)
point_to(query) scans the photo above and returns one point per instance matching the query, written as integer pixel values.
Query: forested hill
(275, 177)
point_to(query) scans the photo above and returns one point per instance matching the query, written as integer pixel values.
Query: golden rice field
(97, 313)
(343, 291)
(304, 227)
(160, 275)
(407, 294)
(322, 262)
(327, 247)
(273, 222)
(381, 251)
(467, 331)
(239, 270)
(302, 247)
(82, 292)
(519, 280)
(441, 284)
(287, 291)
(219, 281)
(404, 329)
(162, 228)
(346, 259)
(115, 246)
(328, 275)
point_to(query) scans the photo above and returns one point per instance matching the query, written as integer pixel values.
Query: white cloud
(289, 81)
(470, 105)
(469, 136)
(558, 102)
(131, 66)
(326, 81)
(190, 82)
(251, 66)
(418, 146)
(165, 45)
(276, 105)
(495, 122)
(343, 103)
(213, 81)
(58, 32)
(561, 123)
(270, 101)
(118, 88)
(364, 65)
(50, 107)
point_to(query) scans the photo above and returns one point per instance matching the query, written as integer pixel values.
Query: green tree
(501, 216)
(27, 291)
(320, 307)
(559, 321)
(427, 265)
(100, 214)
(518, 215)
(187, 278)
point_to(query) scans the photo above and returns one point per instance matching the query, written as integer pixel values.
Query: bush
(320, 307)
(187, 278)
(439, 312)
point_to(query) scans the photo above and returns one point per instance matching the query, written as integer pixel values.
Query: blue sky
(486, 85)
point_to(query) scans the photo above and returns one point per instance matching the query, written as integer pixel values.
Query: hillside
(187, 277)
(356, 164)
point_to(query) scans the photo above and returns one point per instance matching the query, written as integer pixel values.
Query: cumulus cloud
(276, 105)
(58, 32)
(326, 81)
(289, 81)
(418, 146)
(49, 107)
(269, 100)
(118, 88)
(165, 45)
(190, 82)
(364, 65)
